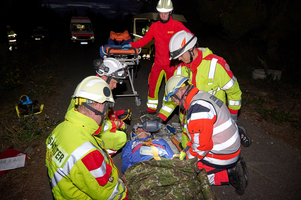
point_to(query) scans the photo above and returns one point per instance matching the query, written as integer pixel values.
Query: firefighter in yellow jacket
(12, 39)
(113, 127)
(209, 73)
(79, 167)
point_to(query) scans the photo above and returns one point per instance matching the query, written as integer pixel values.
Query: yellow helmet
(93, 89)
(173, 84)
(164, 6)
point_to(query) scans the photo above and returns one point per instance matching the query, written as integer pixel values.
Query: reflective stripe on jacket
(212, 74)
(213, 134)
(78, 165)
(11, 36)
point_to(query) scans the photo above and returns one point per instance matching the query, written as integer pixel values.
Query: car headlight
(73, 37)
(92, 37)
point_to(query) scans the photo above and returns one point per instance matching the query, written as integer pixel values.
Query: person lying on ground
(143, 148)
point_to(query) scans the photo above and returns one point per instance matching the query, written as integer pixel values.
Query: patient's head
(141, 133)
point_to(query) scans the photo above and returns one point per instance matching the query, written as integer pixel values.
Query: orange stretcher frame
(119, 50)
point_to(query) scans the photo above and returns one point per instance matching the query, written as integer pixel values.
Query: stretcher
(129, 56)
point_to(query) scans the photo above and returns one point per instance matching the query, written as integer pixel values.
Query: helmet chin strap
(109, 79)
(97, 112)
(165, 21)
(183, 100)
(191, 54)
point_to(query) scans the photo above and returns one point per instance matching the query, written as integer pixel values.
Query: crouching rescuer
(79, 167)
(213, 134)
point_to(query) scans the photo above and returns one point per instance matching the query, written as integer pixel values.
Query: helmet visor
(120, 74)
(172, 93)
(177, 53)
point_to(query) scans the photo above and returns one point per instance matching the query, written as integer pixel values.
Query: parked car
(40, 33)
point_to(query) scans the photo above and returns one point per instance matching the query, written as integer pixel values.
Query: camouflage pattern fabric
(167, 179)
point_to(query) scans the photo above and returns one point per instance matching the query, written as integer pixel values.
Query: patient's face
(139, 130)
(142, 131)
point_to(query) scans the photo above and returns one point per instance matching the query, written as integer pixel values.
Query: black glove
(158, 119)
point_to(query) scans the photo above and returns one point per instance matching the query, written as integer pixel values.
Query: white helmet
(181, 42)
(164, 6)
(173, 84)
(110, 67)
(93, 89)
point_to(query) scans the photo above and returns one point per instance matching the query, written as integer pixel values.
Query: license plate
(37, 38)
(84, 43)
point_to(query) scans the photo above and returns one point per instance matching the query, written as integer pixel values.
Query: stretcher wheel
(138, 101)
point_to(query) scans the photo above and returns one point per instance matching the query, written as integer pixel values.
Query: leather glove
(124, 47)
(123, 114)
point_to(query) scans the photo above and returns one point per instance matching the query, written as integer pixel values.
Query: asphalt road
(273, 165)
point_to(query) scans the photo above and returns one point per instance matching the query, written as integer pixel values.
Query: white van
(81, 30)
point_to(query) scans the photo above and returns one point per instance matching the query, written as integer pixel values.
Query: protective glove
(123, 114)
(158, 119)
(180, 156)
(124, 47)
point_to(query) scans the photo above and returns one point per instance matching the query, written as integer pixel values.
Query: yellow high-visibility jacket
(113, 138)
(211, 74)
(79, 167)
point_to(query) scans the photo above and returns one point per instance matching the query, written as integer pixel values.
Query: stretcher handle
(120, 48)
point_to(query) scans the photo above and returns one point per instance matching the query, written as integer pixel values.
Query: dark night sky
(106, 7)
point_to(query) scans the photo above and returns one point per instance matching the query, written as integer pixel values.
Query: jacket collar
(83, 121)
(190, 96)
(196, 62)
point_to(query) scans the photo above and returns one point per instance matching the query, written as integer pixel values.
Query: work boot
(237, 179)
(245, 140)
(245, 170)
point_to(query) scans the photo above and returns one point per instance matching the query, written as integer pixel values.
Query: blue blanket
(113, 43)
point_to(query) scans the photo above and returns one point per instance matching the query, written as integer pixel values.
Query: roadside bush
(26, 129)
